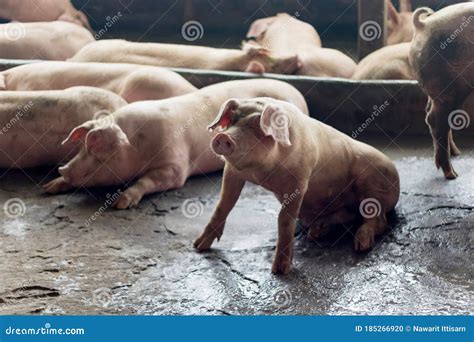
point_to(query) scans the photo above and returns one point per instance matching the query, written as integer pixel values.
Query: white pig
(33, 123)
(161, 143)
(131, 81)
(44, 10)
(319, 175)
(388, 63)
(55, 40)
(286, 34)
(251, 58)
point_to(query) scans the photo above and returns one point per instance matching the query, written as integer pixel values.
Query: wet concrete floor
(69, 254)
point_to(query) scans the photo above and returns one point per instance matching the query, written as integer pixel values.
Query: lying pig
(388, 63)
(132, 82)
(400, 27)
(441, 58)
(56, 40)
(161, 142)
(321, 176)
(284, 33)
(33, 123)
(44, 10)
(251, 59)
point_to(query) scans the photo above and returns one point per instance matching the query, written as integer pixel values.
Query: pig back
(442, 49)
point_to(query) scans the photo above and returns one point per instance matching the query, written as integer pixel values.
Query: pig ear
(392, 12)
(276, 123)
(259, 27)
(255, 67)
(78, 134)
(105, 139)
(224, 117)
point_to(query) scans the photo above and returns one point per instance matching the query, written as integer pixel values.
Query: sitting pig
(400, 27)
(388, 63)
(321, 176)
(33, 123)
(55, 40)
(161, 142)
(441, 58)
(44, 10)
(251, 59)
(132, 82)
(286, 34)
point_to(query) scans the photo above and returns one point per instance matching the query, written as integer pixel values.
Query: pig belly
(319, 205)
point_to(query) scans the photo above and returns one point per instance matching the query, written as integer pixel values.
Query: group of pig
(149, 129)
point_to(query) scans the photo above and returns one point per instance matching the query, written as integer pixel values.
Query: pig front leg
(153, 181)
(441, 132)
(232, 186)
(57, 185)
(286, 232)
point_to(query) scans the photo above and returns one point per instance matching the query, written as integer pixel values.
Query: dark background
(225, 22)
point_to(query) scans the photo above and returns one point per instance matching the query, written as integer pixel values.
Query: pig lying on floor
(132, 82)
(286, 34)
(44, 10)
(161, 142)
(388, 63)
(251, 58)
(33, 123)
(321, 176)
(55, 40)
(441, 56)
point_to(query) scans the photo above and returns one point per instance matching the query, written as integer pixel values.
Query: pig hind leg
(365, 235)
(437, 120)
(322, 225)
(153, 181)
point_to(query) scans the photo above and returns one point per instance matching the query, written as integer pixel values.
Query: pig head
(105, 158)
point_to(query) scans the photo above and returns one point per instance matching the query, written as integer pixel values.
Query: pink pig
(388, 63)
(161, 143)
(286, 34)
(251, 58)
(441, 58)
(131, 81)
(321, 176)
(43, 10)
(33, 123)
(55, 40)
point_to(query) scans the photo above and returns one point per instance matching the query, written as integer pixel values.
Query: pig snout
(63, 171)
(222, 144)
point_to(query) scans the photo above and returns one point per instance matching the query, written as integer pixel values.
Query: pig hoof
(126, 201)
(364, 239)
(450, 174)
(203, 243)
(56, 186)
(281, 266)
